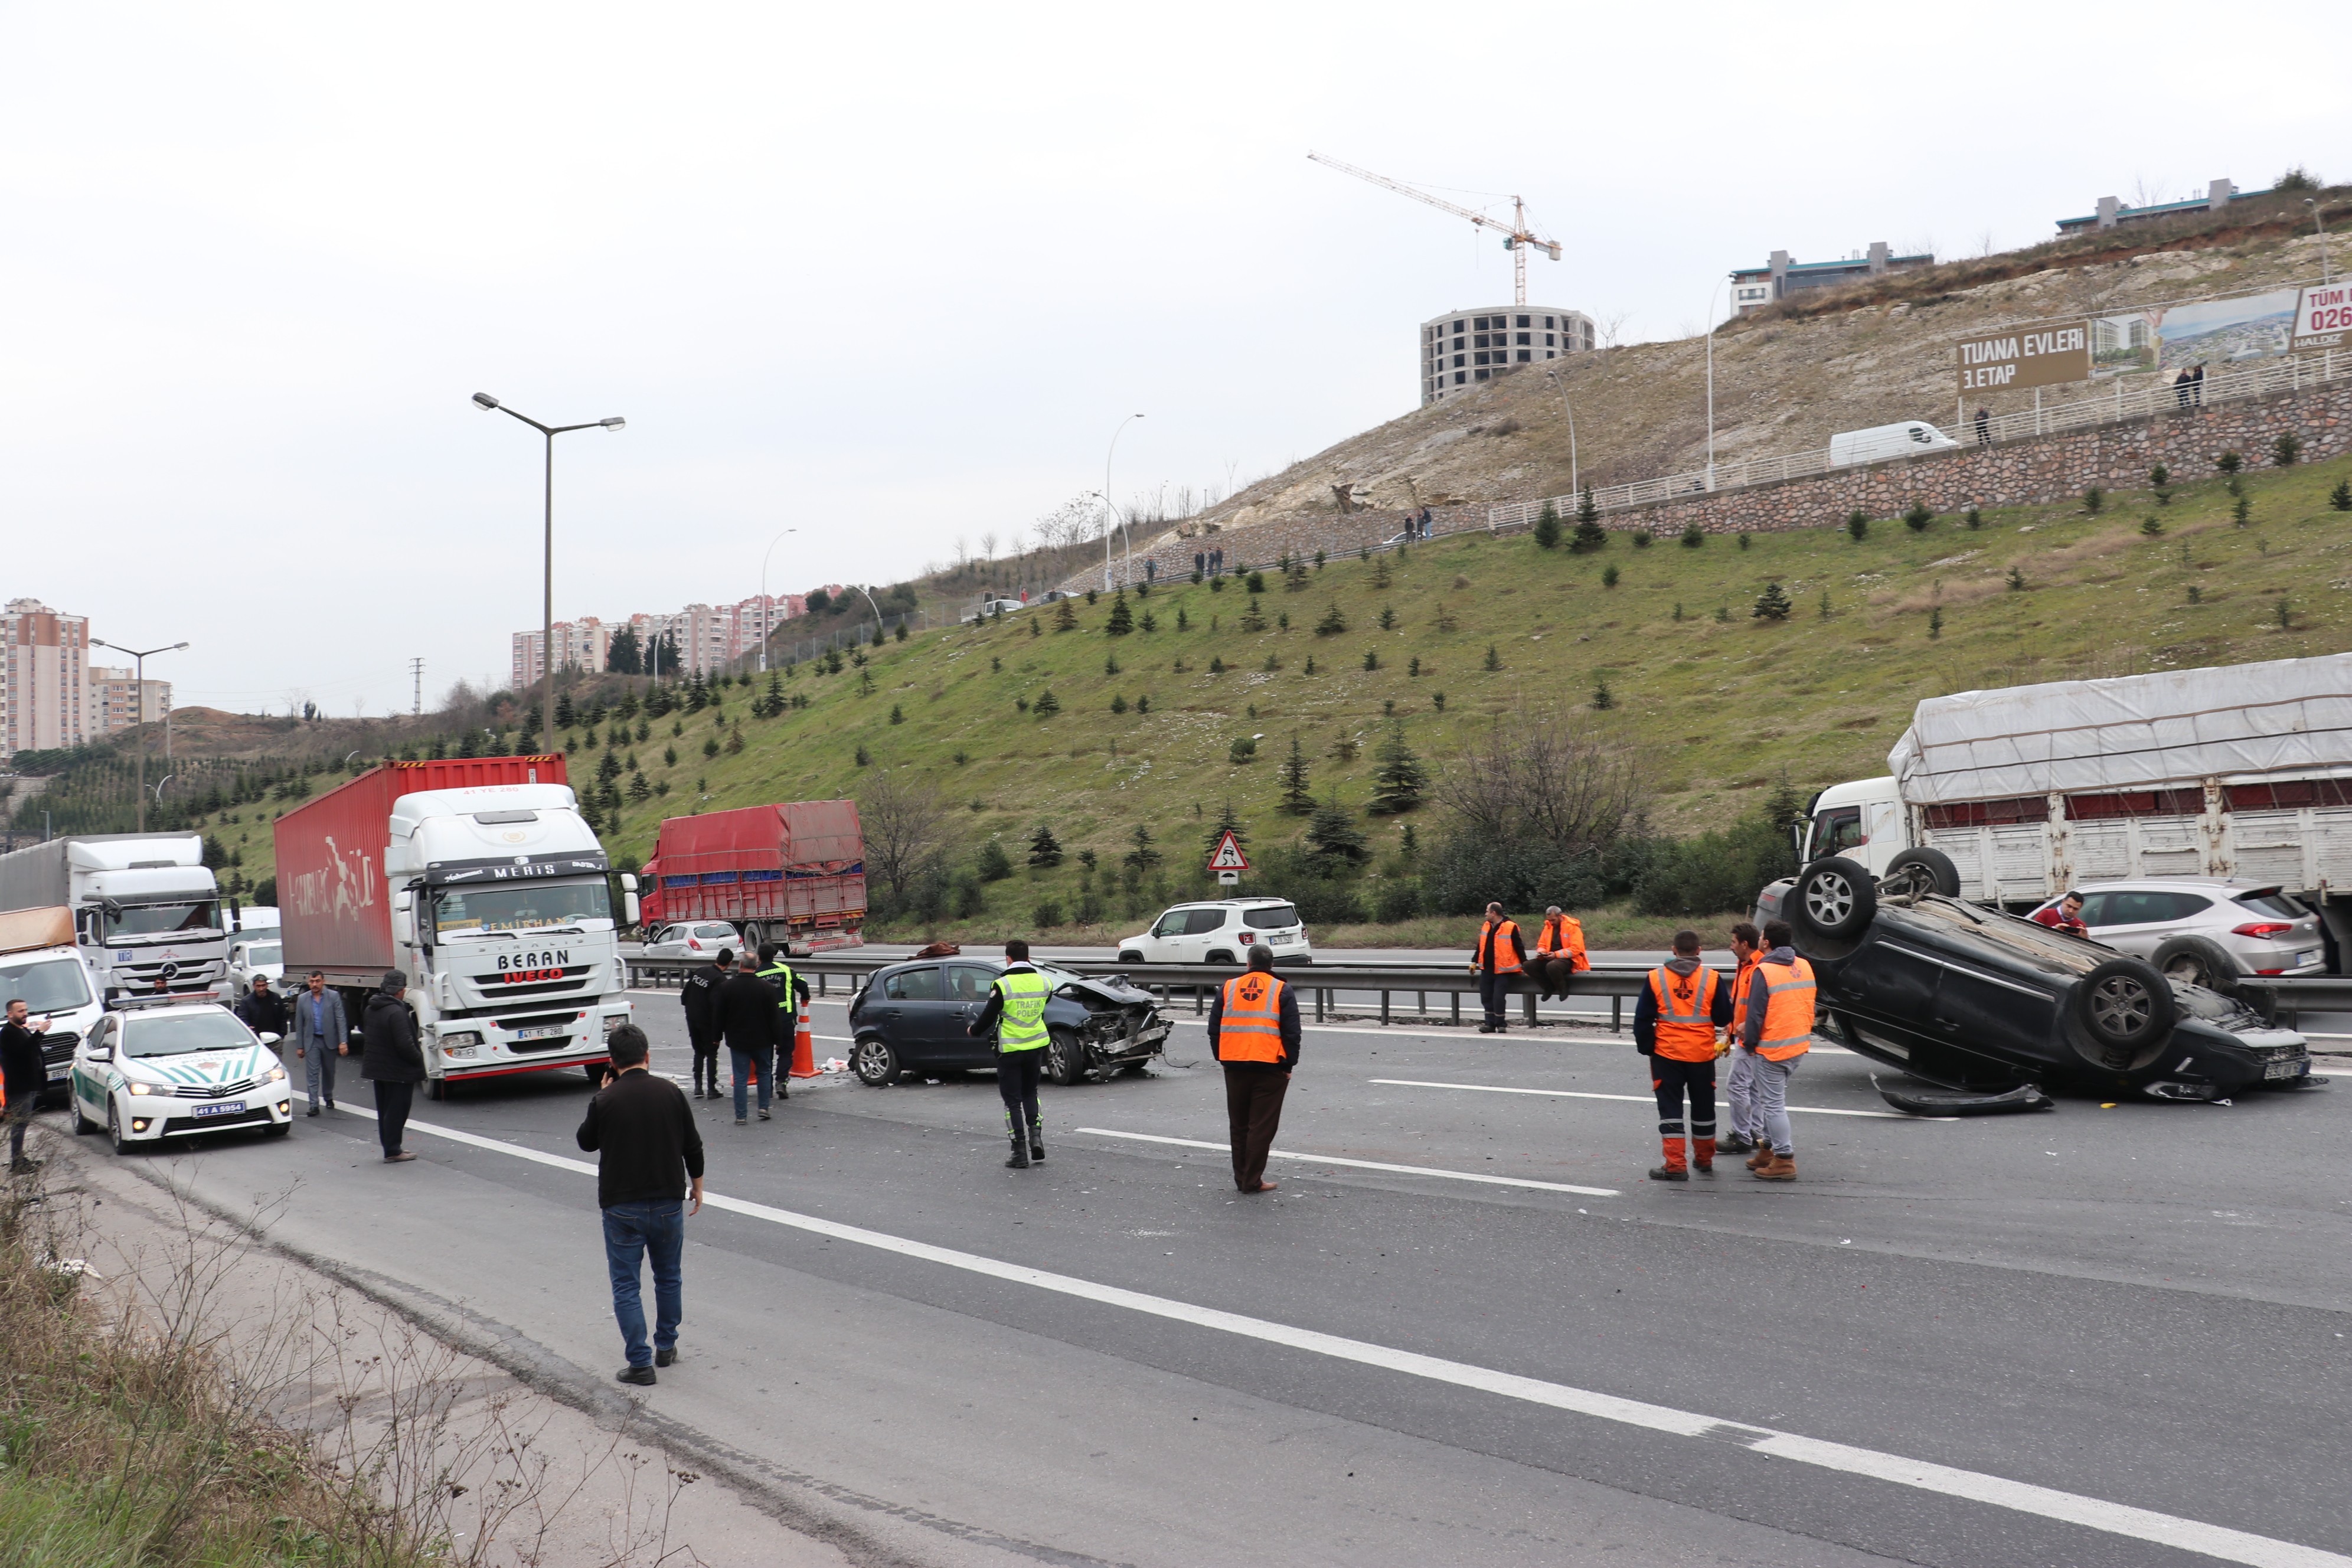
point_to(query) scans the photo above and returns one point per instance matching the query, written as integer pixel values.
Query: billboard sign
(2222, 332)
(2323, 317)
(2016, 357)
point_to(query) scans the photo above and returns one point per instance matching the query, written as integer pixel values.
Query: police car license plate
(220, 1107)
(2292, 1067)
(544, 1032)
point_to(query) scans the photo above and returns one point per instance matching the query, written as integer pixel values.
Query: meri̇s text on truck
(478, 880)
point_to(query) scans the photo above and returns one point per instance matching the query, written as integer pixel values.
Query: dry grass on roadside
(155, 1413)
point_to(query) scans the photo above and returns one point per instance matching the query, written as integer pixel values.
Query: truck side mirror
(404, 918)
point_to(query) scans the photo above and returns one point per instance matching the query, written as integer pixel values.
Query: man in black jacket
(648, 1165)
(699, 994)
(24, 1074)
(263, 1010)
(747, 1018)
(390, 1059)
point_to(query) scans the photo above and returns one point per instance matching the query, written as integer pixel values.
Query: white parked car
(249, 955)
(694, 938)
(2207, 930)
(146, 1073)
(994, 607)
(1221, 931)
(1881, 442)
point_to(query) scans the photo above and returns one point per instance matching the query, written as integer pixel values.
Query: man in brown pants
(1253, 1029)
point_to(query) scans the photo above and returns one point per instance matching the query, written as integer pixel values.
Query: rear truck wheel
(1935, 866)
(114, 1137)
(755, 934)
(1065, 1057)
(874, 1062)
(1131, 956)
(2200, 961)
(2123, 1013)
(593, 1072)
(1831, 907)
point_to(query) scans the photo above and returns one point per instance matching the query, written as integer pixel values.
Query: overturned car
(1972, 999)
(916, 1018)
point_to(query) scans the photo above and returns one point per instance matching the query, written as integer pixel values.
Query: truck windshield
(160, 919)
(469, 911)
(45, 986)
(1836, 830)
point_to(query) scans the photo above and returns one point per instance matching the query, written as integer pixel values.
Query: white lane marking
(1644, 1099)
(1405, 1026)
(1364, 1164)
(2068, 1508)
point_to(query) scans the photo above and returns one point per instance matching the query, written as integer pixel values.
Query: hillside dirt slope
(1785, 380)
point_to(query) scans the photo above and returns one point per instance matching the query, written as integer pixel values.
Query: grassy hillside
(1718, 703)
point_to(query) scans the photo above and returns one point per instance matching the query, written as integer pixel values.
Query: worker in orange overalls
(1675, 1024)
(1560, 954)
(1499, 961)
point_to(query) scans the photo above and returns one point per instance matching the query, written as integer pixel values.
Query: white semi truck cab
(145, 910)
(503, 919)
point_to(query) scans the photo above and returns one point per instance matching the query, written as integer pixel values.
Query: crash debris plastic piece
(1931, 1101)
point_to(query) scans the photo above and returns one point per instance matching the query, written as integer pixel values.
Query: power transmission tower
(416, 698)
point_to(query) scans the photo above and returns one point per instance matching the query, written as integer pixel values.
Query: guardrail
(2283, 1000)
(2289, 373)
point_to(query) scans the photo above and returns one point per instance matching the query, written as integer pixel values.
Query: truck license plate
(544, 1032)
(2292, 1067)
(220, 1108)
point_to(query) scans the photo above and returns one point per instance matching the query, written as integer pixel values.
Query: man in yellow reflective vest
(1675, 1022)
(1779, 1029)
(1016, 1012)
(791, 992)
(1253, 1030)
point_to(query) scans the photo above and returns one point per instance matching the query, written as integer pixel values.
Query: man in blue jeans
(648, 1180)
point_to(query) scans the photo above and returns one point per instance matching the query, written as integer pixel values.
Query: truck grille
(536, 1021)
(58, 1047)
(558, 1043)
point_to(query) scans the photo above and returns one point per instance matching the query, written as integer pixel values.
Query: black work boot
(1037, 1142)
(1020, 1160)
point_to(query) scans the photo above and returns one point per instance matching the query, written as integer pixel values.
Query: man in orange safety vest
(1499, 961)
(1779, 1029)
(1253, 1029)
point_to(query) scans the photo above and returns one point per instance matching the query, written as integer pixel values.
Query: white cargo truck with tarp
(2242, 771)
(146, 912)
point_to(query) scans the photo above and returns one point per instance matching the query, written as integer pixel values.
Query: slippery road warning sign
(1228, 856)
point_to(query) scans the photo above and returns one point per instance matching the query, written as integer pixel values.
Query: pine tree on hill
(1065, 616)
(564, 716)
(1122, 619)
(1548, 527)
(1296, 799)
(1399, 781)
(1333, 839)
(1586, 508)
(1044, 849)
(1772, 604)
(1588, 537)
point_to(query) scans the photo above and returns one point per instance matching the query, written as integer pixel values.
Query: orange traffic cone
(803, 1046)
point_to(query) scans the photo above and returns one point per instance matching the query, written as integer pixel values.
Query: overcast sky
(893, 274)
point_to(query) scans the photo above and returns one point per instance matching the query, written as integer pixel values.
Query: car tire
(1831, 906)
(82, 1125)
(875, 1062)
(1131, 956)
(437, 1089)
(1220, 956)
(1943, 876)
(280, 1129)
(2200, 961)
(1065, 1057)
(2122, 1010)
(594, 1073)
(114, 1137)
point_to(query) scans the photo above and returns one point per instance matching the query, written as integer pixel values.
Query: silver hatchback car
(2205, 930)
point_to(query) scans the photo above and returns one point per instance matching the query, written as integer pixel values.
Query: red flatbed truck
(789, 872)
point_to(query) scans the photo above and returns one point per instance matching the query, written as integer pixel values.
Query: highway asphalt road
(2098, 1336)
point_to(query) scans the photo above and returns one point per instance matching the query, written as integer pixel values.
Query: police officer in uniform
(1253, 1029)
(791, 992)
(698, 992)
(1016, 1012)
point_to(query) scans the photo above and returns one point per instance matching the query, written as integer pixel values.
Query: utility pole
(416, 692)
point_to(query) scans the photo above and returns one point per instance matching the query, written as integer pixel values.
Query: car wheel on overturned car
(875, 1063)
(2123, 1012)
(1943, 876)
(1065, 1057)
(1831, 906)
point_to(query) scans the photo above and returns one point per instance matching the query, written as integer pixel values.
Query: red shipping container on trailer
(330, 892)
(793, 872)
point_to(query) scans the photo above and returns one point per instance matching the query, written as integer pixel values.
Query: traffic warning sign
(1228, 856)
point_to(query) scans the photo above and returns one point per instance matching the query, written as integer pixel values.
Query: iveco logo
(523, 859)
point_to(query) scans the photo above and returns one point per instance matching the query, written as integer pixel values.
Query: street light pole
(1111, 511)
(2319, 227)
(1711, 323)
(1574, 488)
(138, 679)
(547, 561)
(767, 625)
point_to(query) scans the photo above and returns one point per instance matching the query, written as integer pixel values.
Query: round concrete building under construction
(1463, 348)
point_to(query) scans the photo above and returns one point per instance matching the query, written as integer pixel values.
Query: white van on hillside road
(1880, 442)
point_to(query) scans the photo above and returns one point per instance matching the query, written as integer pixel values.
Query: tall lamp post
(1711, 324)
(139, 677)
(1574, 488)
(2319, 227)
(1112, 511)
(547, 564)
(767, 622)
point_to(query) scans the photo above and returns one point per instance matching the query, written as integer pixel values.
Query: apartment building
(116, 701)
(709, 637)
(1753, 288)
(44, 677)
(1464, 347)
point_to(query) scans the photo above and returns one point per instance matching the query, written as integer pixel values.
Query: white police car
(147, 1072)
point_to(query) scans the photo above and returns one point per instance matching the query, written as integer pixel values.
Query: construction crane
(1517, 238)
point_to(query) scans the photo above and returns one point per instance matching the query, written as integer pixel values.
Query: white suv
(2205, 930)
(1222, 932)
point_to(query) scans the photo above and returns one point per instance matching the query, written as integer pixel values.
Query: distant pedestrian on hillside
(649, 1181)
(24, 1074)
(1253, 1029)
(389, 1059)
(2183, 386)
(698, 992)
(2197, 383)
(1984, 427)
(322, 1033)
